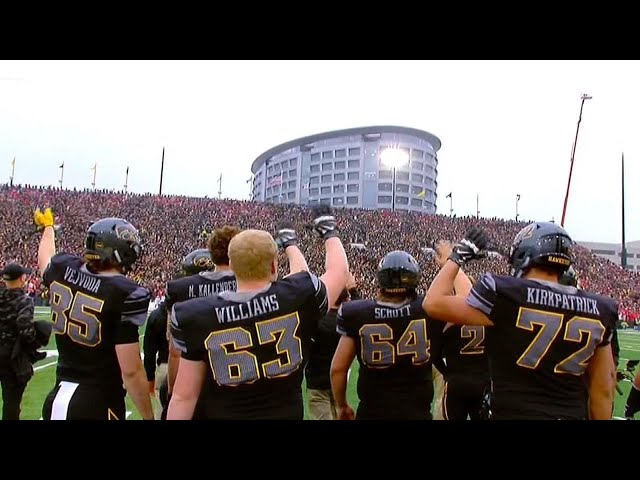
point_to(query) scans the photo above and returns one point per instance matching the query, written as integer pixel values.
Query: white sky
(506, 127)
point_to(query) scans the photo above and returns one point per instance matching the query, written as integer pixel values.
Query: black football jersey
(543, 337)
(255, 345)
(462, 349)
(203, 284)
(91, 314)
(393, 351)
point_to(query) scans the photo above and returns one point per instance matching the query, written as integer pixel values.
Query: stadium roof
(306, 141)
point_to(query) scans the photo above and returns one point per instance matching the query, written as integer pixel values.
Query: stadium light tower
(394, 158)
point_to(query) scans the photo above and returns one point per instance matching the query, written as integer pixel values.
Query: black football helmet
(197, 261)
(570, 277)
(398, 271)
(543, 244)
(113, 239)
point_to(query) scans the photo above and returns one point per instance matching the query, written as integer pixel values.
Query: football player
(460, 355)
(207, 273)
(390, 337)
(541, 336)
(320, 399)
(96, 312)
(254, 342)
(156, 354)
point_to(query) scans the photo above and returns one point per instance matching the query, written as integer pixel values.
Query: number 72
(550, 325)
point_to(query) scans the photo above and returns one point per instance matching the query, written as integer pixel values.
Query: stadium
(184, 218)
(352, 168)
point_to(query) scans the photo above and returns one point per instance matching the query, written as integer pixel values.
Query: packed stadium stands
(172, 226)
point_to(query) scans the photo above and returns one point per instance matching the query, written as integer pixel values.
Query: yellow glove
(45, 219)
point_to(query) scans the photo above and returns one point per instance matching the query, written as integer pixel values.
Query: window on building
(340, 165)
(314, 180)
(402, 200)
(384, 198)
(416, 202)
(341, 153)
(353, 187)
(315, 157)
(327, 166)
(400, 175)
(338, 189)
(352, 200)
(354, 164)
(327, 154)
(385, 187)
(402, 187)
(338, 177)
(353, 175)
(313, 192)
(415, 153)
(326, 178)
(416, 177)
(293, 183)
(314, 168)
(338, 200)
(325, 190)
(354, 152)
(386, 174)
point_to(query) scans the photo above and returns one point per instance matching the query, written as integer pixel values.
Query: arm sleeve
(343, 324)
(55, 263)
(182, 334)
(134, 315)
(483, 295)
(319, 294)
(24, 321)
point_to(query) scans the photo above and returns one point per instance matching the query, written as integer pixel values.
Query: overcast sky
(506, 127)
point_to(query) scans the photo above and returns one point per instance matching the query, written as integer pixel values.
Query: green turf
(44, 378)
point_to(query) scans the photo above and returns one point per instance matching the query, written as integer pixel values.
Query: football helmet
(542, 244)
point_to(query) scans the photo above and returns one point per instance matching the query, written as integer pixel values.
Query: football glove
(286, 236)
(43, 219)
(470, 247)
(324, 222)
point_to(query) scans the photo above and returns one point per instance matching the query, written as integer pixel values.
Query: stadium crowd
(172, 226)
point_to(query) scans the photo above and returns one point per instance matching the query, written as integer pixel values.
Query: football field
(44, 377)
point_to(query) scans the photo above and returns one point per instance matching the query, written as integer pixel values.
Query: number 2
(378, 351)
(474, 346)
(233, 365)
(80, 324)
(550, 326)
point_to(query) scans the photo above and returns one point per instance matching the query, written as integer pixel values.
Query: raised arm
(336, 264)
(47, 247)
(441, 303)
(287, 239)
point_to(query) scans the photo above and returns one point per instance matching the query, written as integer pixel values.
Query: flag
(422, 193)
(448, 196)
(95, 165)
(127, 170)
(518, 196)
(275, 181)
(61, 166)
(13, 163)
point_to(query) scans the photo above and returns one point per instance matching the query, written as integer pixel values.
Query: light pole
(394, 158)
